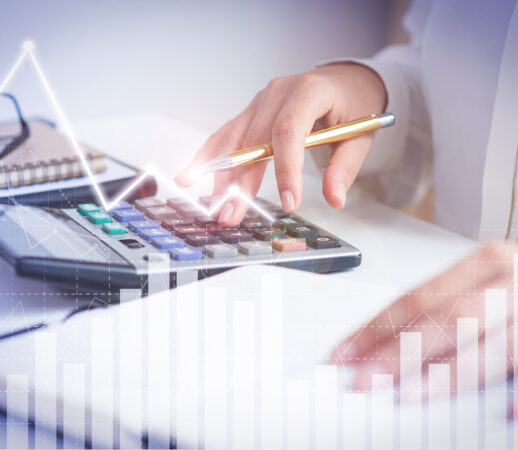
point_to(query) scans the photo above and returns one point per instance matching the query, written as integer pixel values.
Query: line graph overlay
(28, 52)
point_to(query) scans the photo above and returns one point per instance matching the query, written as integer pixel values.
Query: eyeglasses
(12, 133)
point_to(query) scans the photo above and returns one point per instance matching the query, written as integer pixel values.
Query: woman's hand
(284, 113)
(433, 310)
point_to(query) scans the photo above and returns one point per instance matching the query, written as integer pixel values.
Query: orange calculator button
(289, 244)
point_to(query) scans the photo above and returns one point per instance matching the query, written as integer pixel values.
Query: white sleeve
(400, 160)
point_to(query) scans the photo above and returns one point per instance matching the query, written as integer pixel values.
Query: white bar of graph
(410, 414)
(131, 398)
(326, 407)
(187, 366)
(272, 423)
(297, 414)
(467, 383)
(215, 368)
(495, 365)
(159, 352)
(354, 420)
(17, 411)
(74, 404)
(382, 415)
(102, 382)
(45, 372)
(243, 375)
(515, 345)
(439, 406)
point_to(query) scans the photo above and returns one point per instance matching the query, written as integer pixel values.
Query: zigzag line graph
(233, 191)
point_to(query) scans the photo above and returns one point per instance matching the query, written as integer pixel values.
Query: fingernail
(226, 212)
(288, 204)
(340, 192)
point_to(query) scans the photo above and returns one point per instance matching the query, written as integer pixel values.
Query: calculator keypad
(187, 234)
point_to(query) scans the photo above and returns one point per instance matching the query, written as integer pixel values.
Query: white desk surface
(398, 251)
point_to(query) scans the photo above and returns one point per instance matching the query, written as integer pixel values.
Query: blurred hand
(284, 113)
(432, 310)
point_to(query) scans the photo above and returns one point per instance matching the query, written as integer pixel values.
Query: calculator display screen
(48, 233)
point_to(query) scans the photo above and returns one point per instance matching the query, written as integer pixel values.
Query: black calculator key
(160, 212)
(322, 242)
(131, 243)
(233, 237)
(178, 221)
(254, 224)
(302, 231)
(268, 234)
(205, 221)
(190, 211)
(177, 201)
(143, 203)
(216, 229)
(288, 222)
(278, 213)
(198, 240)
(252, 215)
(183, 232)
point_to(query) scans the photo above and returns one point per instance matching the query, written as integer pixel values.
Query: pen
(337, 133)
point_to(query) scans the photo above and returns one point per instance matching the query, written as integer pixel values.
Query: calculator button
(128, 215)
(190, 211)
(99, 217)
(255, 248)
(174, 222)
(252, 215)
(197, 240)
(288, 222)
(205, 221)
(268, 234)
(166, 242)
(186, 254)
(302, 231)
(278, 213)
(131, 243)
(138, 225)
(322, 242)
(233, 237)
(221, 251)
(152, 233)
(144, 203)
(161, 212)
(289, 244)
(216, 229)
(254, 224)
(186, 231)
(177, 201)
(87, 208)
(114, 228)
(120, 206)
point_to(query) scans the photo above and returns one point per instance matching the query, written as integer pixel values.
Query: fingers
(310, 100)
(343, 167)
(228, 138)
(436, 312)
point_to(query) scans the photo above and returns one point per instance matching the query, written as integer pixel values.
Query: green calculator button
(114, 228)
(87, 208)
(99, 217)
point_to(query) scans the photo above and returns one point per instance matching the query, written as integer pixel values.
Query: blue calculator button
(128, 215)
(151, 233)
(186, 254)
(167, 242)
(119, 206)
(139, 225)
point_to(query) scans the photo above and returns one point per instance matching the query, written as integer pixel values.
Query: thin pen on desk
(265, 152)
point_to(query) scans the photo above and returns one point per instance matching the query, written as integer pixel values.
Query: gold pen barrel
(337, 133)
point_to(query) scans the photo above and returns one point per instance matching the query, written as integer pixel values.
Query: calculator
(89, 249)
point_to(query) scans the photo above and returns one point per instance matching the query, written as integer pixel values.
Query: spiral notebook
(45, 156)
